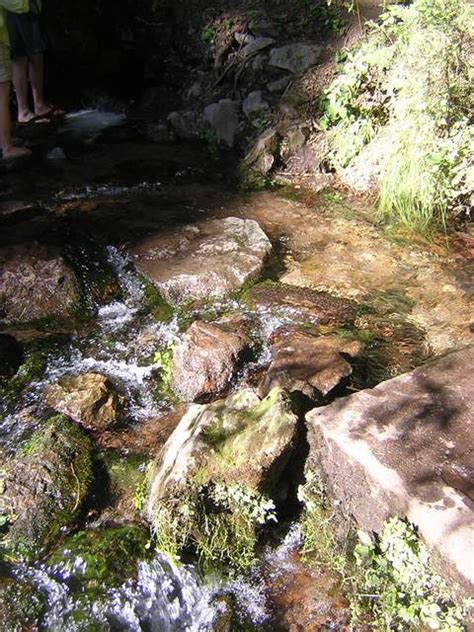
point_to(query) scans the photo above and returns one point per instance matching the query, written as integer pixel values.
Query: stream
(110, 190)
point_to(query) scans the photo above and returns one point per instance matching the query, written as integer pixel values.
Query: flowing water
(163, 189)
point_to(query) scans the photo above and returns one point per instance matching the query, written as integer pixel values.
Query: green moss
(155, 304)
(109, 557)
(52, 472)
(21, 606)
(221, 523)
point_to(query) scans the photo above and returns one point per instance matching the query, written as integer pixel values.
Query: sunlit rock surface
(204, 260)
(406, 448)
(296, 58)
(35, 283)
(205, 361)
(90, 399)
(308, 363)
(241, 439)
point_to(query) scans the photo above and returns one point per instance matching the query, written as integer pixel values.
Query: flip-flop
(36, 120)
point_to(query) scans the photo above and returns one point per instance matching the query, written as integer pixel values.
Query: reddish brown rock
(35, 283)
(206, 360)
(310, 364)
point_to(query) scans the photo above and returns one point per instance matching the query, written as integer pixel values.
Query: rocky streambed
(181, 361)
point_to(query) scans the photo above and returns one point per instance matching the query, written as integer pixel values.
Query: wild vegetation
(387, 578)
(408, 88)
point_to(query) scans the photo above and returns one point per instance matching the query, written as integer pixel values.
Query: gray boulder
(223, 118)
(240, 440)
(263, 153)
(207, 259)
(296, 58)
(186, 125)
(254, 106)
(405, 448)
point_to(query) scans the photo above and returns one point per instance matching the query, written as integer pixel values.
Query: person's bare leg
(8, 149)
(37, 85)
(20, 82)
(36, 67)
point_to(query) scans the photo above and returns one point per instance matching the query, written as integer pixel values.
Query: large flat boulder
(296, 58)
(36, 283)
(203, 260)
(406, 448)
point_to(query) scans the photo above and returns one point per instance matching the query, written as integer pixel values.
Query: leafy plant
(220, 522)
(397, 586)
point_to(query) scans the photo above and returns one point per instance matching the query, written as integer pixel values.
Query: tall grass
(410, 83)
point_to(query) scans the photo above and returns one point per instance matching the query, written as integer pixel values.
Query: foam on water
(89, 123)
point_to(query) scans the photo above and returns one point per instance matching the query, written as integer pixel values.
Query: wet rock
(303, 304)
(297, 58)
(311, 364)
(11, 355)
(223, 118)
(262, 154)
(405, 448)
(203, 260)
(43, 487)
(109, 557)
(242, 439)
(186, 125)
(35, 283)
(254, 106)
(90, 399)
(205, 361)
(56, 155)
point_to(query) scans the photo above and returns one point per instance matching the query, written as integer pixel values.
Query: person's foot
(48, 110)
(15, 152)
(26, 117)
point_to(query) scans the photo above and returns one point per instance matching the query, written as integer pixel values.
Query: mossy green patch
(106, 557)
(21, 606)
(44, 487)
(154, 303)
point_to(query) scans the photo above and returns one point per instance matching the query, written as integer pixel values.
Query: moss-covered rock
(43, 487)
(20, 605)
(100, 559)
(212, 484)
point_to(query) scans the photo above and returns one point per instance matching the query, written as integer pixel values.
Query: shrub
(409, 83)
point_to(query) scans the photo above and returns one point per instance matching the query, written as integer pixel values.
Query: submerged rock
(308, 363)
(304, 304)
(241, 439)
(36, 283)
(405, 448)
(205, 361)
(203, 260)
(43, 487)
(297, 58)
(90, 399)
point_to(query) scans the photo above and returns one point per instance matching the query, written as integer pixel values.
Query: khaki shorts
(5, 64)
